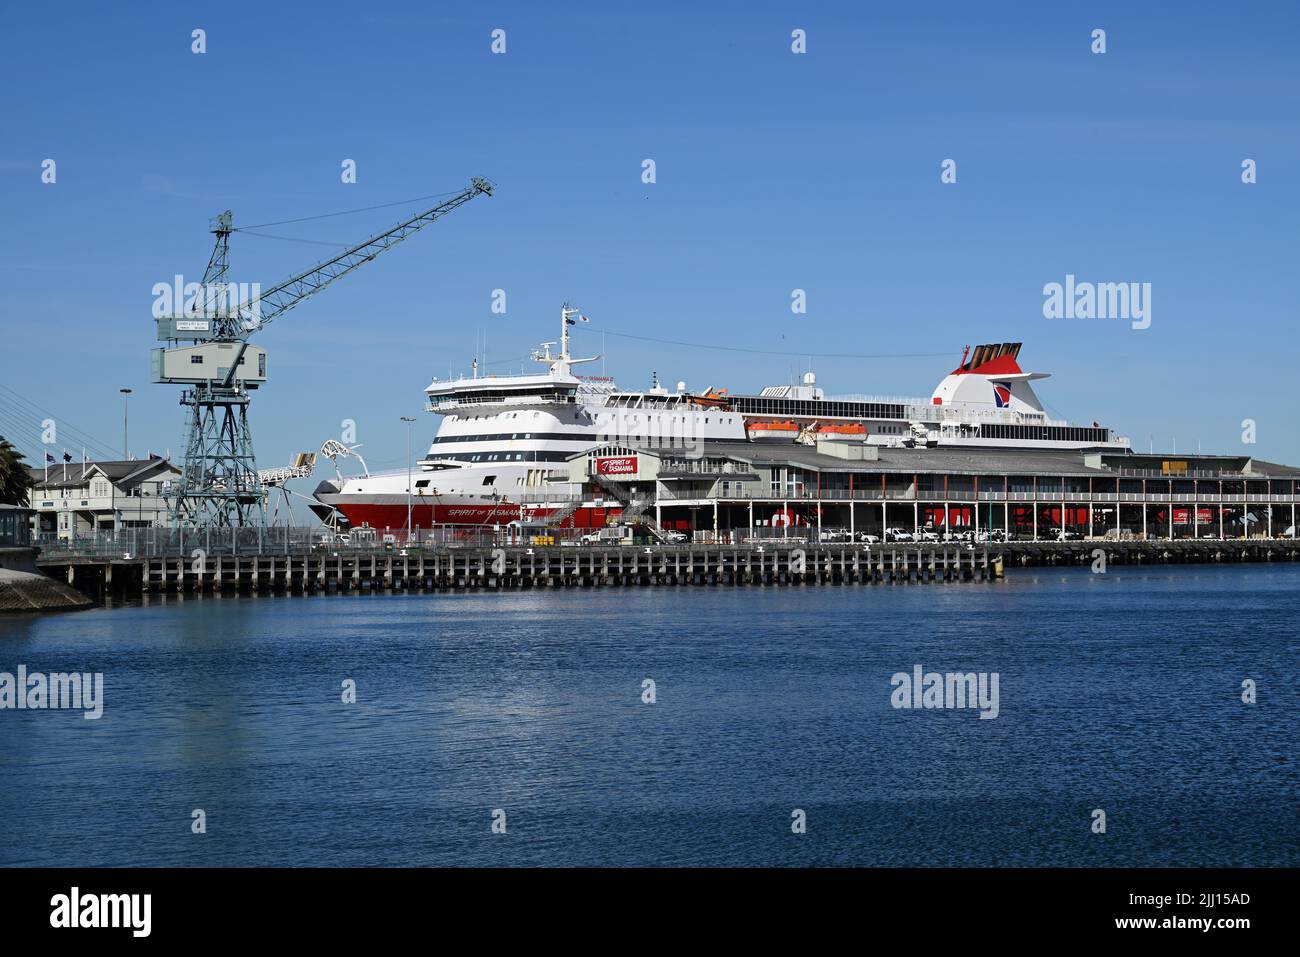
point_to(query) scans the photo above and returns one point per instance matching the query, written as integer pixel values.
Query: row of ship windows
(758, 405)
(535, 477)
(1053, 432)
(500, 436)
(533, 456)
(498, 416)
(987, 431)
(804, 407)
(559, 395)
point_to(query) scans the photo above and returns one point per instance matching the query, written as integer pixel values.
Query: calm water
(1118, 691)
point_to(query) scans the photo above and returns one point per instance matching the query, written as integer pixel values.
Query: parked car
(867, 539)
(898, 535)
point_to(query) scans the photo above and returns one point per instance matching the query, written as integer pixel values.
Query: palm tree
(14, 477)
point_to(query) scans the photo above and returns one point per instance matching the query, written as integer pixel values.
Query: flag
(67, 456)
(584, 318)
(48, 458)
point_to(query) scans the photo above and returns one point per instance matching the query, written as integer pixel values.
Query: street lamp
(408, 420)
(126, 445)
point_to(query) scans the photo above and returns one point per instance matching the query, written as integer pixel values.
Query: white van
(609, 535)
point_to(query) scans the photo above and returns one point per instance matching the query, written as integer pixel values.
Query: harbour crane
(208, 351)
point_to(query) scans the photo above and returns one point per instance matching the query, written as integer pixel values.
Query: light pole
(408, 420)
(126, 445)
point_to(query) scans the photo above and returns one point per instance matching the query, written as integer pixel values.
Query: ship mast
(560, 364)
(565, 312)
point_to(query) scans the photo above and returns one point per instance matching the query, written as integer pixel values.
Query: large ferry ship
(502, 449)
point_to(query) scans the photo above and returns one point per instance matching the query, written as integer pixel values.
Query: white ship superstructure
(502, 449)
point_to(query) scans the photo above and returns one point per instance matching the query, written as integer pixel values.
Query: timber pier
(487, 568)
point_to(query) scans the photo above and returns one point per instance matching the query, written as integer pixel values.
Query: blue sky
(775, 171)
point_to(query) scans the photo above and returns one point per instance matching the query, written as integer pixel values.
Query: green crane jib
(218, 484)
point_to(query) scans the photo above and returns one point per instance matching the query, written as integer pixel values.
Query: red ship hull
(423, 515)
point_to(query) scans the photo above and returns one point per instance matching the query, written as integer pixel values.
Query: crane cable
(344, 212)
(774, 352)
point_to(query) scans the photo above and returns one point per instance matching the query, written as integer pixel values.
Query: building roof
(1260, 467)
(953, 460)
(125, 474)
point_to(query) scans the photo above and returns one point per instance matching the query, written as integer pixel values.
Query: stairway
(555, 518)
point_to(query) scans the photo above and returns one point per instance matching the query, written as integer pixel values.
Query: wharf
(344, 569)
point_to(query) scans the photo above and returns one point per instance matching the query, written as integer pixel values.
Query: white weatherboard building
(71, 499)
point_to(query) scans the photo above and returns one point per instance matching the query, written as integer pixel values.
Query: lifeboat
(711, 398)
(842, 430)
(773, 431)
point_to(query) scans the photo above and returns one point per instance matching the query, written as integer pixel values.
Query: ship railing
(956, 414)
(916, 408)
(438, 404)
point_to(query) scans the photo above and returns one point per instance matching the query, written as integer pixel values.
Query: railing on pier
(909, 494)
(273, 540)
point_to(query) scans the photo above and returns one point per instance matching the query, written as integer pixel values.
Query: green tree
(14, 478)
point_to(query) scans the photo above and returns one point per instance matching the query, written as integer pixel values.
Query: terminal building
(741, 490)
